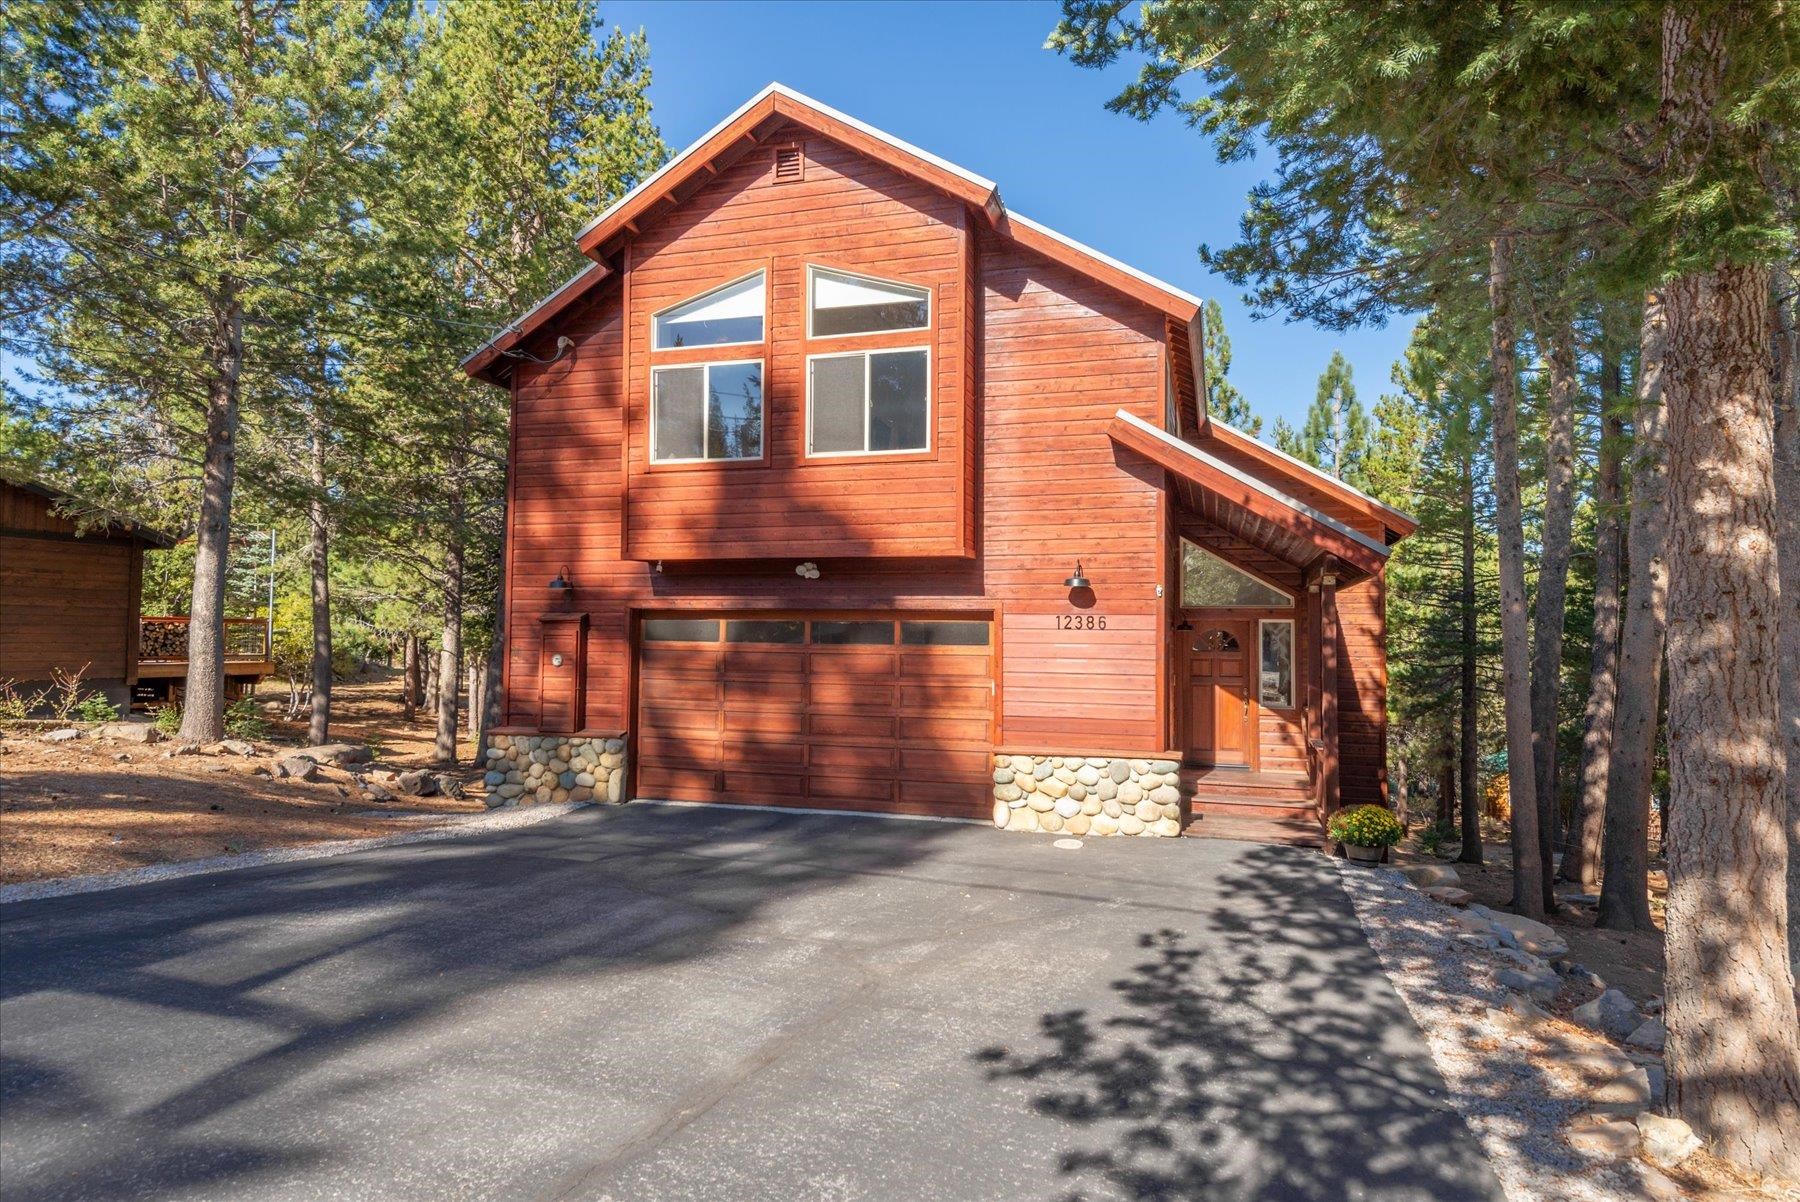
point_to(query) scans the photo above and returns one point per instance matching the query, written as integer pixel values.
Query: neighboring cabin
(70, 601)
(69, 594)
(857, 490)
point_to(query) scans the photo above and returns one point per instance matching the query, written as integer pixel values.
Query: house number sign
(1081, 621)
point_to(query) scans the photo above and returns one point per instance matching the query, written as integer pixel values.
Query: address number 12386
(1081, 621)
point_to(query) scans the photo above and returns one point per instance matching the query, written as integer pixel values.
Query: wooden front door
(1218, 692)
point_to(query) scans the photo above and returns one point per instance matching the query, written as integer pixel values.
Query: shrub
(243, 720)
(1432, 839)
(1365, 826)
(94, 708)
(14, 705)
(168, 719)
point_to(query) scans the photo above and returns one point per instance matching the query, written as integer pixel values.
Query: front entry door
(1218, 686)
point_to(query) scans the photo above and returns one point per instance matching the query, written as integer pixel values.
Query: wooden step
(1256, 807)
(1204, 783)
(1256, 830)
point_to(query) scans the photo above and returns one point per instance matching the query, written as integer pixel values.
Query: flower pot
(1364, 855)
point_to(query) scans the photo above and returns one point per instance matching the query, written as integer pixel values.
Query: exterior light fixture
(1184, 624)
(560, 588)
(1078, 580)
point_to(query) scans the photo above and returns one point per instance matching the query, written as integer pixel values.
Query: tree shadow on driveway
(1258, 1054)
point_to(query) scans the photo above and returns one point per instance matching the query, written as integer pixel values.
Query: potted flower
(1366, 832)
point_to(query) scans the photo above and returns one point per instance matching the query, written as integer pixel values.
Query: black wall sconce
(561, 591)
(1078, 580)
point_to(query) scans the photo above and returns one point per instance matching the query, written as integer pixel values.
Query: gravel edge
(1516, 1109)
(505, 818)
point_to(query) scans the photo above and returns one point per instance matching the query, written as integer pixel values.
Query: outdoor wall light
(560, 588)
(1078, 581)
(1184, 624)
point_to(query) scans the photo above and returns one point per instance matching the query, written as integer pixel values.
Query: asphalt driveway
(678, 1003)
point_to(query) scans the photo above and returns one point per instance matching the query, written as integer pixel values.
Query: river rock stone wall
(533, 769)
(1087, 795)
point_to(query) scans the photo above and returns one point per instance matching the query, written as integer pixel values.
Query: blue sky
(971, 82)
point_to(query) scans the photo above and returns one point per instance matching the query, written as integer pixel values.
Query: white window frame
(700, 296)
(1180, 581)
(1293, 663)
(868, 408)
(706, 367)
(812, 269)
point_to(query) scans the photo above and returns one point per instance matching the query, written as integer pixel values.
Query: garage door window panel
(839, 634)
(681, 630)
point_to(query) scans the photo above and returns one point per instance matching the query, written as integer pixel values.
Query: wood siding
(847, 213)
(66, 604)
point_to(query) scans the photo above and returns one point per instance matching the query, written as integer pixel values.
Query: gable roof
(88, 518)
(1401, 524)
(743, 128)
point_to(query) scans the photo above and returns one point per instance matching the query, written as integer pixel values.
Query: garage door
(827, 711)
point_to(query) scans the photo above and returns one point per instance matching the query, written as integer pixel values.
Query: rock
(1131, 824)
(1078, 791)
(297, 767)
(494, 780)
(339, 753)
(1612, 1013)
(241, 747)
(1627, 1093)
(1666, 1142)
(510, 792)
(615, 787)
(1541, 983)
(261, 770)
(1041, 771)
(1105, 824)
(1449, 895)
(214, 768)
(1486, 943)
(377, 791)
(121, 758)
(131, 732)
(1147, 810)
(1026, 783)
(585, 779)
(1606, 1138)
(1079, 825)
(1068, 807)
(1021, 763)
(1091, 806)
(1052, 788)
(1087, 775)
(1003, 776)
(496, 799)
(1528, 934)
(1166, 827)
(1164, 766)
(1106, 790)
(1423, 875)
(63, 735)
(1022, 820)
(1130, 793)
(1050, 822)
(416, 783)
(1166, 795)
(1007, 792)
(1002, 812)
(1655, 1187)
(1649, 1035)
(1118, 772)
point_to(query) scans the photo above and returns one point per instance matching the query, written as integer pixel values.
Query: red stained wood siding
(848, 213)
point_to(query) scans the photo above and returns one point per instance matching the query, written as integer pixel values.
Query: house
(71, 598)
(835, 483)
(69, 591)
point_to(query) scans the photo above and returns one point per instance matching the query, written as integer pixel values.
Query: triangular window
(1207, 580)
(723, 317)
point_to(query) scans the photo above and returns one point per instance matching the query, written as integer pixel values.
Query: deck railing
(165, 640)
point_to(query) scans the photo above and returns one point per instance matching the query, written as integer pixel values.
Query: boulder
(1449, 895)
(1603, 1137)
(1665, 1142)
(1528, 934)
(238, 747)
(377, 791)
(62, 736)
(297, 767)
(1649, 1035)
(339, 753)
(1627, 1093)
(416, 783)
(1612, 1013)
(1424, 875)
(132, 732)
(1540, 983)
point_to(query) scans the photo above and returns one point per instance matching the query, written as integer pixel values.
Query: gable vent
(790, 164)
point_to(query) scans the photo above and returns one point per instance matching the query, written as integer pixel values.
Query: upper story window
(868, 402)
(1207, 580)
(839, 303)
(726, 316)
(705, 411)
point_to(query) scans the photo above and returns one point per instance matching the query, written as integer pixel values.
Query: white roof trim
(1245, 478)
(1327, 478)
(519, 321)
(778, 89)
(1105, 258)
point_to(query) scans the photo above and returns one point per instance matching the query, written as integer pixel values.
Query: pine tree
(1223, 401)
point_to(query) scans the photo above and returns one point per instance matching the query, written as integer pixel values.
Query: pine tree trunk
(1469, 740)
(1785, 314)
(1624, 884)
(491, 686)
(1581, 850)
(450, 651)
(1515, 633)
(319, 727)
(409, 673)
(203, 693)
(1551, 608)
(1734, 1045)
(1446, 798)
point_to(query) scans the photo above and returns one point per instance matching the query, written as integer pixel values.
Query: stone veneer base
(1087, 795)
(539, 769)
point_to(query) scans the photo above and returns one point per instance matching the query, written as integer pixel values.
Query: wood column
(1329, 794)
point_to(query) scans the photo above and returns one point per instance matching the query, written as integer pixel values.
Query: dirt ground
(1630, 960)
(99, 805)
